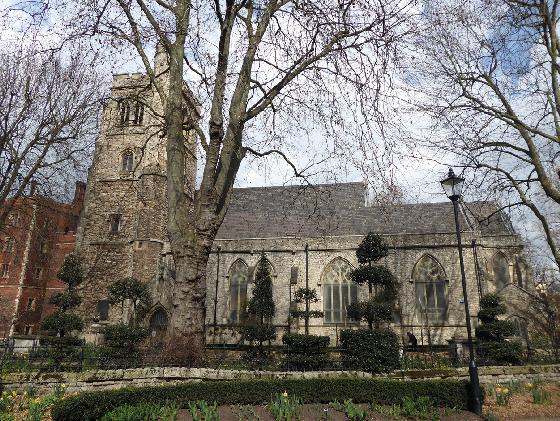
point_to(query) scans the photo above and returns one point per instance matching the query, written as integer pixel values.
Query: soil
(521, 406)
(313, 412)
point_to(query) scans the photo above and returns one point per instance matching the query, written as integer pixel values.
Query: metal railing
(272, 358)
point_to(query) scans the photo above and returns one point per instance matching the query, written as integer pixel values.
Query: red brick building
(38, 234)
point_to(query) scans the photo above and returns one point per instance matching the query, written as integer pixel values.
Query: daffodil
(506, 390)
(285, 394)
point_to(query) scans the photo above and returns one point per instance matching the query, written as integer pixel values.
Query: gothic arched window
(130, 112)
(521, 273)
(138, 113)
(127, 161)
(500, 267)
(124, 112)
(238, 278)
(158, 321)
(430, 285)
(338, 290)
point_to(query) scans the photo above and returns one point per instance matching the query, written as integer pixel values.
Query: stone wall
(405, 251)
(154, 376)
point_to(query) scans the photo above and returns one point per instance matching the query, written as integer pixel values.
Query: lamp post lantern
(453, 186)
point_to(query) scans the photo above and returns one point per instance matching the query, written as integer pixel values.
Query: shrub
(373, 351)
(305, 352)
(173, 349)
(133, 291)
(493, 348)
(94, 405)
(62, 353)
(508, 353)
(124, 336)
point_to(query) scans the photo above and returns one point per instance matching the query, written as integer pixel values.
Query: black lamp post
(453, 186)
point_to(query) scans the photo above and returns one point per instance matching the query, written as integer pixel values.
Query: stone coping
(157, 375)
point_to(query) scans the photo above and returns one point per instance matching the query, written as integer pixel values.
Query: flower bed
(94, 405)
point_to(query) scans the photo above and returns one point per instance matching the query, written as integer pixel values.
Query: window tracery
(338, 291)
(430, 285)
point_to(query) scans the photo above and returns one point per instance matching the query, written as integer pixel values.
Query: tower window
(127, 161)
(31, 304)
(115, 223)
(9, 245)
(39, 273)
(4, 270)
(124, 112)
(131, 112)
(138, 113)
(14, 219)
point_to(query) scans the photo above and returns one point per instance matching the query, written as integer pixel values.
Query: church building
(308, 234)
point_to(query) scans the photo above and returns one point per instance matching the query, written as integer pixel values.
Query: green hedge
(305, 352)
(375, 351)
(94, 405)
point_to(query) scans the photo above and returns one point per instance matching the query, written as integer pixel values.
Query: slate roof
(339, 209)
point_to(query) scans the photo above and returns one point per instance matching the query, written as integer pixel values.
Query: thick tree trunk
(189, 298)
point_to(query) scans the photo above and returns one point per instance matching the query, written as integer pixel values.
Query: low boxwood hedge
(93, 405)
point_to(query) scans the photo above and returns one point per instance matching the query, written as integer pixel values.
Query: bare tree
(249, 63)
(486, 73)
(49, 108)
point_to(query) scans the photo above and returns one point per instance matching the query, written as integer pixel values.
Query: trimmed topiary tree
(60, 345)
(133, 291)
(123, 339)
(382, 284)
(492, 333)
(260, 311)
(375, 349)
(306, 296)
(305, 352)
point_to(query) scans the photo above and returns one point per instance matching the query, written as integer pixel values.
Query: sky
(416, 172)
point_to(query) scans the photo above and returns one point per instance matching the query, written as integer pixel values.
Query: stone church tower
(123, 225)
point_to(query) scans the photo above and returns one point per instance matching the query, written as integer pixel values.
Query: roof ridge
(348, 183)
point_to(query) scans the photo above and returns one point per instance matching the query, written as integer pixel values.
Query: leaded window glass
(338, 291)
(127, 161)
(238, 277)
(500, 267)
(520, 273)
(431, 290)
(158, 321)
